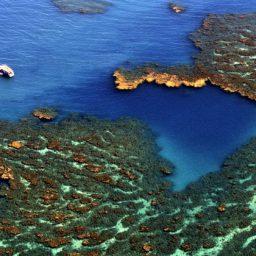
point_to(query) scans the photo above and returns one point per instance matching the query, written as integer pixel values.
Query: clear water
(67, 60)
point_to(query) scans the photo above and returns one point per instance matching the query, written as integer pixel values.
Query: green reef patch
(84, 186)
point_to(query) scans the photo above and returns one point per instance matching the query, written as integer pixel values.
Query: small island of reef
(84, 186)
(227, 59)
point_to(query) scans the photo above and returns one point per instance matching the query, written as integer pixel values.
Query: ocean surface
(67, 60)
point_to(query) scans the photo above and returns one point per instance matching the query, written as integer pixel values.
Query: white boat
(5, 70)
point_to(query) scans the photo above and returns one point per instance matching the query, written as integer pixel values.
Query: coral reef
(228, 52)
(75, 185)
(227, 59)
(82, 6)
(128, 79)
(45, 114)
(85, 186)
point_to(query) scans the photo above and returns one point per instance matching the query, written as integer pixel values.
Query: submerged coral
(74, 185)
(82, 6)
(227, 59)
(45, 114)
(95, 187)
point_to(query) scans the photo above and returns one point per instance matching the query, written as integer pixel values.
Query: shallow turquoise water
(67, 60)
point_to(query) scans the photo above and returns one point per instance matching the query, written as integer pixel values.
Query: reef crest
(127, 79)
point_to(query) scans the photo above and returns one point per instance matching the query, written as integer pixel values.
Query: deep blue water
(67, 60)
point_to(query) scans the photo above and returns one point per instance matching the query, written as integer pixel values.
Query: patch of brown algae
(227, 59)
(90, 187)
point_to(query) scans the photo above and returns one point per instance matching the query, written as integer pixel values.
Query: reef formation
(227, 59)
(174, 76)
(82, 6)
(45, 114)
(93, 187)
